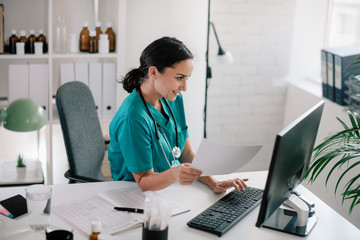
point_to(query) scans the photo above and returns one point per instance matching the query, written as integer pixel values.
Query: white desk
(10, 175)
(197, 197)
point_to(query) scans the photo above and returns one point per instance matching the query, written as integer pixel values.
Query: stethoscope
(176, 152)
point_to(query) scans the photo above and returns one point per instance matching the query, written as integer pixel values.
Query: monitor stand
(295, 216)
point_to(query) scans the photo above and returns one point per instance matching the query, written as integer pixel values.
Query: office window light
(343, 23)
(317, 25)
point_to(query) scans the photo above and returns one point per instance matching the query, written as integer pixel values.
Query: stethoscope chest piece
(176, 152)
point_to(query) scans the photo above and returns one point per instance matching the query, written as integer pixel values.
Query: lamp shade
(24, 115)
(225, 58)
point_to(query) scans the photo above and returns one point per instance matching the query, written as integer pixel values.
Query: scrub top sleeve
(135, 142)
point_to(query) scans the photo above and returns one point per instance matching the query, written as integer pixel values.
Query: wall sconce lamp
(23, 115)
(223, 57)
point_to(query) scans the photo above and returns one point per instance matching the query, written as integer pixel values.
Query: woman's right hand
(186, 175)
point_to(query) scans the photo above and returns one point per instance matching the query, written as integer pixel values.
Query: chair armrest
(80, 179)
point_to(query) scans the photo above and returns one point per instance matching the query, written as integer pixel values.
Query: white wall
(185, 20)
(246, 99)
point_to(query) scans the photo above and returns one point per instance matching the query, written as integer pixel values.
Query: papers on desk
(218, 159)
(100, 207)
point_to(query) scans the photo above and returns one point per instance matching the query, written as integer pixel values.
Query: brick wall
(246, 100)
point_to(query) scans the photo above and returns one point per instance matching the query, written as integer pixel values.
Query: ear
(153, 72)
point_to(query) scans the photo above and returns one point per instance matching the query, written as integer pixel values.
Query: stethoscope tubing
(156, 124)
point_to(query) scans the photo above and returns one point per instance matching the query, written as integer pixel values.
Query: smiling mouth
(176, 94)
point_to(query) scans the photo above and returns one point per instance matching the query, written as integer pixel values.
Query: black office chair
(83, 138)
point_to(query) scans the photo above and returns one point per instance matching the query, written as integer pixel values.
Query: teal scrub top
(133, 143)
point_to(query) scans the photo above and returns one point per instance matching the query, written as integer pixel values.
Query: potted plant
(20, 162)
(20, 167)
(342, 149)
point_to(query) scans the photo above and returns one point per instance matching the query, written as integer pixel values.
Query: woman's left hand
(222, 186)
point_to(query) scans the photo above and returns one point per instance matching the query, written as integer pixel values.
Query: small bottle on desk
(95, 230)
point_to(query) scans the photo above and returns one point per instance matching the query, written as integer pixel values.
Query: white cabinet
(43, 14)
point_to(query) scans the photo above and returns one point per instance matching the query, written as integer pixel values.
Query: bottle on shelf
(92, 42)
(103, 44)
(30, 42)
(60, 37)
(84, 38)
(95, 230)
(42, 38)
(12, 42)
(23, 39)
(111, 36)
(98, 32)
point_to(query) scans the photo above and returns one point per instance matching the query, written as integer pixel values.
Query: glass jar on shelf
(60, 35)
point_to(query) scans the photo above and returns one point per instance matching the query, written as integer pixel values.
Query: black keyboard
(227, 211)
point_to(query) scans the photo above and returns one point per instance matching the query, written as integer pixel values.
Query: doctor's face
(173, 79)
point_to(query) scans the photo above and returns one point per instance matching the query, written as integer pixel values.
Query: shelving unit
(42, 14)
(27, 56)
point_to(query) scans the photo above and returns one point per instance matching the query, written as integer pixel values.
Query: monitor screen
(290, 161)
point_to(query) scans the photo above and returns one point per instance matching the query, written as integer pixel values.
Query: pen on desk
(125, 209)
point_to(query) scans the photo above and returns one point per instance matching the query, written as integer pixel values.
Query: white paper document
(216, 159)
(101, 207)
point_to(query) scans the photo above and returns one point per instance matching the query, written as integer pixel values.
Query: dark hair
(161, 53)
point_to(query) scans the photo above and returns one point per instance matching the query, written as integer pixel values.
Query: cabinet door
(18, 81)
(39, 84)
(109, 90)
(96, 85)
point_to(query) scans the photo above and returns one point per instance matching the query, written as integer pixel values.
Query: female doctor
(149, 136)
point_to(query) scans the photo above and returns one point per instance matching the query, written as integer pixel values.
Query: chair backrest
(83, 138)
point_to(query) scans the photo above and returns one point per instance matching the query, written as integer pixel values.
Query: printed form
(100, 207)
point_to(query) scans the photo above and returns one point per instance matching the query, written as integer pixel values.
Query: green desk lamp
(23, 115)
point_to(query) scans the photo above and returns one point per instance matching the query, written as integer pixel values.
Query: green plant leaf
(341, 148)
(355, 195)
(343, 174)
(348, 190)
(357, 117)
(353, 122)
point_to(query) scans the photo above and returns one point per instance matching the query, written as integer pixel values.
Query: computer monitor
(290, 161)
